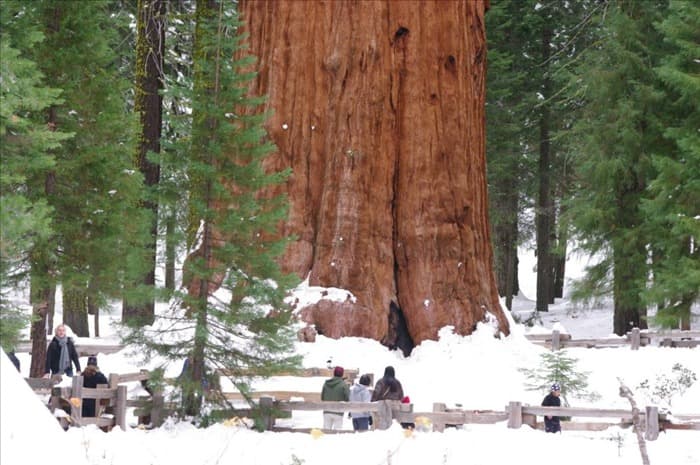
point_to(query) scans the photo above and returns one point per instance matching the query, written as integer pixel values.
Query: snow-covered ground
(477, 372)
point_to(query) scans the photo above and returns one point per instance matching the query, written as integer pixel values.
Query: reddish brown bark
(378, 107)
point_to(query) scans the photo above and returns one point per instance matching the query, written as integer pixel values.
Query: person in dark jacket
(388, 387)
(551, 422)
(335, 389)
(61, 354)
(92, 376)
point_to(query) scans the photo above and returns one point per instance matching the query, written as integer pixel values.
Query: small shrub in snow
(559, 367)
(665, 386)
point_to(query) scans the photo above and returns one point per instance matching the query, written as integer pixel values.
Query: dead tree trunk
(378, 108)
(627, 394)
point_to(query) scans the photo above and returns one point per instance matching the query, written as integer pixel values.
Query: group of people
(336, 389)
(389, 388)
(60, 358)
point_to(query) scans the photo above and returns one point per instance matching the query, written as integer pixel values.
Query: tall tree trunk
(559, 259)
(544, 199)
(148, 102)
(92, 304)
(506, 244)
(629, 267)
(170, 251)
(41, 300)
(378, 108)
(75, 309)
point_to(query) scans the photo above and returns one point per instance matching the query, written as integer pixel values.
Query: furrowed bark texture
(378, 108)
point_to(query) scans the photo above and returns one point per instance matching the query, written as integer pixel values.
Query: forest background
(118, 125)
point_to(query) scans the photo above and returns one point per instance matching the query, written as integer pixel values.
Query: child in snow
(551, 423)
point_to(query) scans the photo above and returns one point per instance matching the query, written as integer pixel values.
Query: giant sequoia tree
(378, 108)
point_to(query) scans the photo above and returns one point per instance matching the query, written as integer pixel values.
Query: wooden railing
(83, 349)
(635, 339)
(74, 396)
(273, 405)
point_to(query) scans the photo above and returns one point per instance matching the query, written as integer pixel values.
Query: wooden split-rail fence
(273, 405)
(635, 339)
(556, 340)
(516, 414)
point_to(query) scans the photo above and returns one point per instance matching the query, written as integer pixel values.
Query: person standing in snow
(388, 387)
(334, 389)
(551, 423)
(92, 376)
(60, 353)
(360, 393)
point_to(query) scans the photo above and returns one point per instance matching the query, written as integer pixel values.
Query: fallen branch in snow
(627, 393)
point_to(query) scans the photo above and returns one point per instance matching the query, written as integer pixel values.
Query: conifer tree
(559, 367)
(673, 209)
(26, 145)
(507, 106)
(615, 141)
(93, 185)
(231, 317)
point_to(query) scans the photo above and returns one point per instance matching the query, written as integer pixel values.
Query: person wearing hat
(551, 423)
(92, 376)
(335, 389)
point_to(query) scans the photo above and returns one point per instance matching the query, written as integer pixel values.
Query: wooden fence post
(515, 415)
(635, 338)
(120, 408)
(113, 380)
(266, 405)
(437, 425)
(157, 406)
(76, 397)
(652, 421)
(384, 415)
(556, 340)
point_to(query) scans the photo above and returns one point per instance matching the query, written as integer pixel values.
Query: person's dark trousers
(360, 424)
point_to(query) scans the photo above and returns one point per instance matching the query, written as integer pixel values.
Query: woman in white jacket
(360, 393)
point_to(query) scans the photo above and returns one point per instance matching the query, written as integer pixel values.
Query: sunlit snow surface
(477, 372)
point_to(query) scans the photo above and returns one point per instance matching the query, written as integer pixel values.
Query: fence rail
(114, 397)
(635, 339)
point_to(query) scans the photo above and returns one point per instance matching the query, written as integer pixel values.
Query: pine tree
(93, 186)
(673, 208)
(507, 107)
(615, 140)
(559, 367)
(232, 318)
(25, 146)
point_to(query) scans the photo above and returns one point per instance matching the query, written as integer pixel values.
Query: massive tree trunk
(148, 102)
(378, 107)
